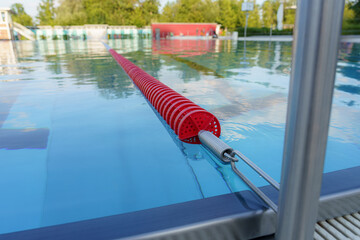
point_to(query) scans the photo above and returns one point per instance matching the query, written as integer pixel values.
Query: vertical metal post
(280, 15)
(316, 42)
(246, 22)
(244, 49)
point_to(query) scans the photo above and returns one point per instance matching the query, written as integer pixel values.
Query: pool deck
(345, 38)
(240, 215)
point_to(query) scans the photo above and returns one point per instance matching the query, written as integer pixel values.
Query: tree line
(143, 12)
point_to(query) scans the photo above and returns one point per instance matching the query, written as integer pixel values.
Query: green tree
(189, 11)
(168, 13)
(289, 12)
(118, 12)
(356, 8)
(227, 14)
(98, 12)
(289, 16)
(125, 12)
(71, 12)
(150, 9)
(269, 13)
(138, 17)
(19, 15)
(254, 16)
(241, 15)
(349, 14)
(46, 12)
(210, 10)
(145, 12)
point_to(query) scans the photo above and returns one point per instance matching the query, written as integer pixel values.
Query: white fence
(91, 32)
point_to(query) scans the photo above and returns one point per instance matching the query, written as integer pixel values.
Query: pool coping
(240, 214)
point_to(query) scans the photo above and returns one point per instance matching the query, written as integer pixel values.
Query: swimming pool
(78, 141)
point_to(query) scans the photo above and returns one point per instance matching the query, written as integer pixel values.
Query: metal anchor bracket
(229, 156)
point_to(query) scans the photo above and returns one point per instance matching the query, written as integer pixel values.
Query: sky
(31, 5)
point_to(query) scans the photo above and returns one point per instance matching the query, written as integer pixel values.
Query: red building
(163, 30)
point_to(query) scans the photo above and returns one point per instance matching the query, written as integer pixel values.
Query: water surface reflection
(98, 143)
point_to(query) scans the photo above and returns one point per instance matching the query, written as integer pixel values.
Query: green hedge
(351, 29)
(262, 31)
(348, 29)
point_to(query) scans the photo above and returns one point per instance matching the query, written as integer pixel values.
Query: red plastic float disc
(195, 121)
(161, 99)
(145, 85)
(182, 112)
(178, 110)
(172, 107)
(141, 82)
(152, 90)
(136, 75)
(132, 71)
(168, 100)
(160, 96)
(146, 82)
(187, 127)
(155, 93)
(183, 116)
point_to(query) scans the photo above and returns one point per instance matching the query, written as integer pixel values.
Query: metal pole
(316, 42)
(246, 20)
(244, 50)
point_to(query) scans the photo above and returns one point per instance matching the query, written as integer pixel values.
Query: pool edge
(241, 215)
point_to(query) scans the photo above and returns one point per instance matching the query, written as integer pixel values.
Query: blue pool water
(78, 140)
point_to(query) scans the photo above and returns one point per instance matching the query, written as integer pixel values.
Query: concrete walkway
(289, 38)
(351, 38)
(281, 38)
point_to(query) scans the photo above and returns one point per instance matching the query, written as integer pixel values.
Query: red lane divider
(182, 115)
